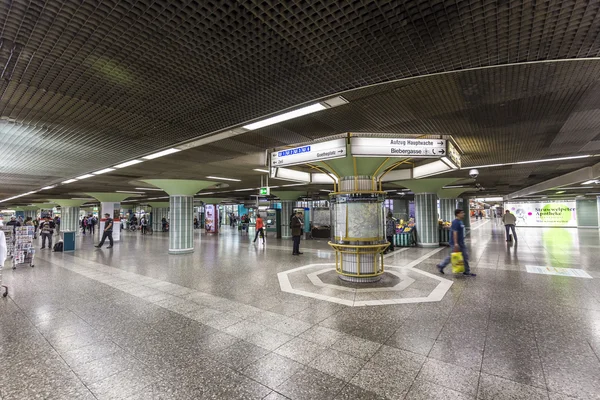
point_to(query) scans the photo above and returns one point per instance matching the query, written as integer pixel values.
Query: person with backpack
(509, 220)
(47, 230)
(108, 230)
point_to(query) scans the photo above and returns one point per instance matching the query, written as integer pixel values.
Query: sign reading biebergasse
(398, 147)
(560, 214)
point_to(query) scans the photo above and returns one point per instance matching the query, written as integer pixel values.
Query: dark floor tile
(386, 382)
(341, 365)
(458, 354)
(272, 370)
(300, 350)
(424, 390)
(122, 384)
(311, 384)
(241, 354)
(352, 392)
(357, 347)
(454, 377)
(493, 387)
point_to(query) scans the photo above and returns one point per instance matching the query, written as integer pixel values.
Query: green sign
(265, 191)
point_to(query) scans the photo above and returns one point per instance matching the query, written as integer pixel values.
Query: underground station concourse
(259, 200)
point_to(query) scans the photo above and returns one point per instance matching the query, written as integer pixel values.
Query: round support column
(358, 223)
(158, 213)
(181, 225)
(428, 234)
(69, 219)
(447, 207)
(287, 208)
(467, 220)
(30, 214)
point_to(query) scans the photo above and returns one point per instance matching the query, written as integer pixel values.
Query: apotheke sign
(393, 147)
(305, 154)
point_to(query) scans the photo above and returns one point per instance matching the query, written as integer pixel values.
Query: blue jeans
(465, 254)
(508, 228)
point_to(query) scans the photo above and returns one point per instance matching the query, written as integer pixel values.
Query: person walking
(457, 243)
(163, 223)
(36, 225)
(108, 230)
(260, 226)
(144, 223)
(390, 231)
(296, 224)
(47, 230)
(509, 220)
(84, 223)
(28, 221)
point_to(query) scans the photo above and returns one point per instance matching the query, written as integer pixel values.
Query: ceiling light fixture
(69, 181)
(103, 171)
(126, 191)
(224, 179)
(244, 190)
(158, 190)
(453, 186)
(294, 184)
(128, 163)
(48, 187)
(561, 192)
(266, 171)
(161, 154)
(592, 182)
(285, 116)
(84, 176)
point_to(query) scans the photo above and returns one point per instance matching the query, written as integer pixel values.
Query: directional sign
(311, 153)
(398, 147)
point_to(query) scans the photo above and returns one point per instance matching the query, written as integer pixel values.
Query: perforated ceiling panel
(87, 83)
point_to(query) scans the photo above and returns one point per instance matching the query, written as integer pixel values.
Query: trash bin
(68, 239)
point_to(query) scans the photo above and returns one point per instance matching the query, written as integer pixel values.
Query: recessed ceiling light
(561, 192)
(103, 171)
(126, 191)
(128, 163)
(244, 190)
(266, 171)
(532, 161)
(161, 153)
(592, 182)
(285, 116)
(48, 187)
(224, 179)
(69, 181)
(158, 190)
(327, 190)
(294, 184)
(84, 176)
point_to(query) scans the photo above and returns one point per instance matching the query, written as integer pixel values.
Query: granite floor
(133, 322)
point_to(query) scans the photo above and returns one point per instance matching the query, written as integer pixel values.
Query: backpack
(58, 247)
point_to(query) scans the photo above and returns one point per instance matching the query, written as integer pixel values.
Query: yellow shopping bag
(458, 263)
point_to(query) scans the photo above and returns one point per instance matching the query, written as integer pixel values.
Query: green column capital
(158, 204)
(210, 200)
(181, 187)
(432, 185)
(290, 195)
(451, 193)
(69, 202)
(110, 197)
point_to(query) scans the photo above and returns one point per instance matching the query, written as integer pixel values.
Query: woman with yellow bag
(457, 247)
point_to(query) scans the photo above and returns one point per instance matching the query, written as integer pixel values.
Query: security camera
(473, 173)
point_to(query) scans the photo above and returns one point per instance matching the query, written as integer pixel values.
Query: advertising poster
(557, 214)
(211, 219)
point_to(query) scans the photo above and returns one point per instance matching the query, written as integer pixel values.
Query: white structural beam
(581, 175)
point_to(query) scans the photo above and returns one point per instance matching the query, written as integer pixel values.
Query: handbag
(458, 262)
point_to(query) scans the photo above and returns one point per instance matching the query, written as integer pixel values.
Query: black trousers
(262, 234)
(296, 240)
(391, 240)
(106, 235)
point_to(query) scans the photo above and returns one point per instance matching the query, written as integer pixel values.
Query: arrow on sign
(340, 151)
(441, 143)
(442, 151)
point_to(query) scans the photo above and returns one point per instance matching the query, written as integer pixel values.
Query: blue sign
(298, 150)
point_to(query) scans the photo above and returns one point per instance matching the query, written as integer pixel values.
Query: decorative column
(160, 210)
(467, 220)
(181, 205)
(69, 214)
(288, 198)
(447, 207)
(426, 218)
(30, 211)
(426, 215)
(110, 203)
(358, 229)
